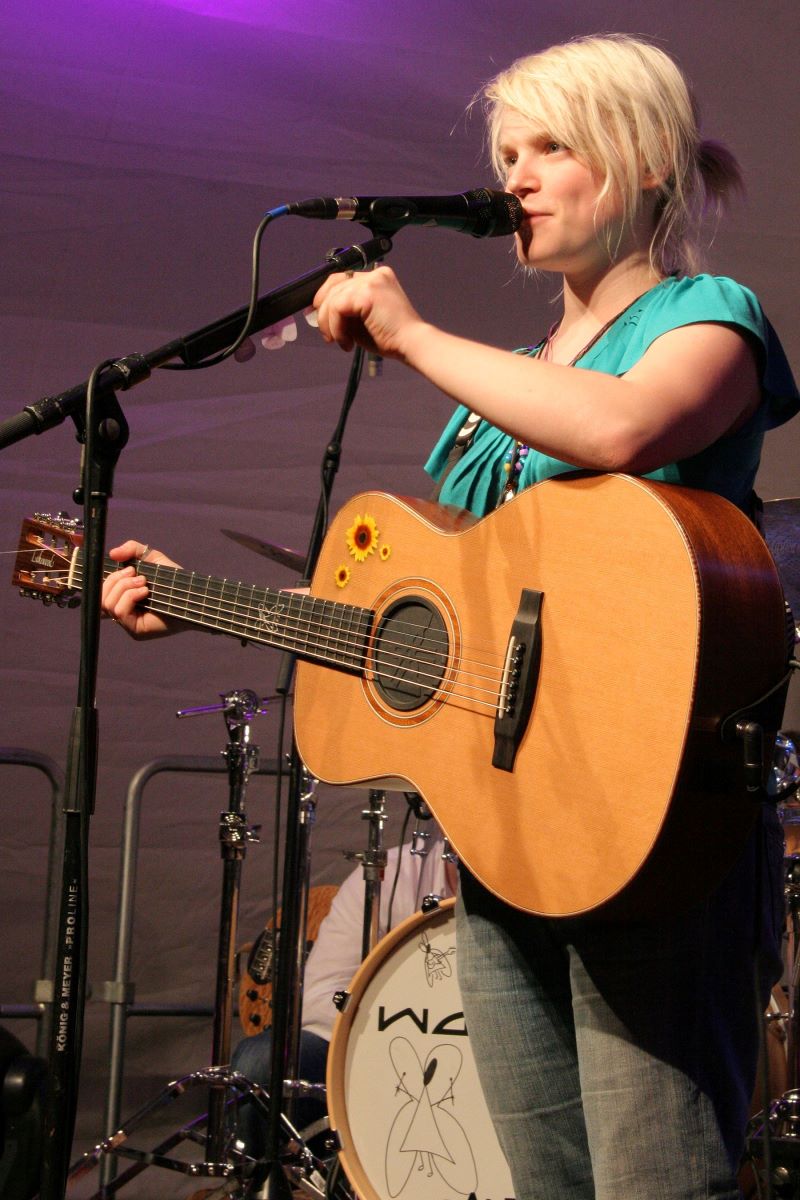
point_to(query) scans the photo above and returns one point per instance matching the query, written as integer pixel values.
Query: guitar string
(346, 640)
(339, 639)
(296, 635)
(294, 640)
(294, 599)
(187, 582)
(342, 645)
(413, 629)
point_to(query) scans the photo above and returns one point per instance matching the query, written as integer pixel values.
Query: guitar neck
(321, 631)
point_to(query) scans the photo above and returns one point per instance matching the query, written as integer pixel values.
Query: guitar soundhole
(410, 653)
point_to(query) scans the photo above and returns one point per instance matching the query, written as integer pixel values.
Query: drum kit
(406, 1114)
(404, 1097)
(399, 1057)
(773, 1141)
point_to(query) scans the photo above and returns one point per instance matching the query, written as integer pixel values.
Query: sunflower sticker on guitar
(362, 537)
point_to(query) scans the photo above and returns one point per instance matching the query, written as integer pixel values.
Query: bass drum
(403, 1091)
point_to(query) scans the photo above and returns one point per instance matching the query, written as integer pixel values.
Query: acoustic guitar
(553, 678)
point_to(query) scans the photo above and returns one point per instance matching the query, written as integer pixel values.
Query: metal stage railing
(119, 992)
(41, 1009)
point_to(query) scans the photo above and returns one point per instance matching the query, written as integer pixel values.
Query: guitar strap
(459, 449)
(539, 350)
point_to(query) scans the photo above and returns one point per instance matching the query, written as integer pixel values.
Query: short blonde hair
(624, 107)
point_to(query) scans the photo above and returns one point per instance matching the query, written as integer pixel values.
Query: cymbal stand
(238, 708)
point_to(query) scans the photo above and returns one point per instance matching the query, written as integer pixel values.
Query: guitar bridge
(519, 680)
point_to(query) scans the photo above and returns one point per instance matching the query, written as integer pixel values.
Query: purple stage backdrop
(141, 141)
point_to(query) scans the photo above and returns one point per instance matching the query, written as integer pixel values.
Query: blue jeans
(252, 1058)
(618, 1059)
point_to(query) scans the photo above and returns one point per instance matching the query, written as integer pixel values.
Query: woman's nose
(522, 177)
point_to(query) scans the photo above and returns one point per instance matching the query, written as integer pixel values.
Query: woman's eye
(554, 147)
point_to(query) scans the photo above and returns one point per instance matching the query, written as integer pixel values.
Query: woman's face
(564, 228)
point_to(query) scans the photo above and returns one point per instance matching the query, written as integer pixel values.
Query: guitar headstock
(44, 556)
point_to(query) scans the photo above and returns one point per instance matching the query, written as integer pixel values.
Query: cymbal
(781, 524)
(280, 554)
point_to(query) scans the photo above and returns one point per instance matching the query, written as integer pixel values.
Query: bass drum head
(403, 1090)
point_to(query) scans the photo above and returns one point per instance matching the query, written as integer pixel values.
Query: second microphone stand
(287, 988)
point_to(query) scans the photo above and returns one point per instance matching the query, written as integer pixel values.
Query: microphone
(481, 212)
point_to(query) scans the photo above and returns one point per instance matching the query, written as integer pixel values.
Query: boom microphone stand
(103, 430)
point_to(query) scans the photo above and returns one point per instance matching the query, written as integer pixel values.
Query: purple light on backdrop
(248, 11)
(334, 19)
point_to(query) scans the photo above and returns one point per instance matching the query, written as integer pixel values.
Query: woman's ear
(649, 179)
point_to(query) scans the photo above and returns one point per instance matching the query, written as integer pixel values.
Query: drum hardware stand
(422, 814)
(782, 786)
(791, 867)
(420, 836)
(226, 1088)
(747, 725)
(294, 1088)
(373, 861)
(780, 1131)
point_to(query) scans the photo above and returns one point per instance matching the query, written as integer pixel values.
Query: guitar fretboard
(321, 630)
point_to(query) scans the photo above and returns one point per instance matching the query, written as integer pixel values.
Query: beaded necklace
(519, 451)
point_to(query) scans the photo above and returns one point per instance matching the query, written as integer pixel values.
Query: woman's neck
(590, 303)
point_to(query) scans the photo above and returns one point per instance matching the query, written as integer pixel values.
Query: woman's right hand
(124, 591)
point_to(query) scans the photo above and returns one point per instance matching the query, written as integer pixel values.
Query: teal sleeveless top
(728, 466)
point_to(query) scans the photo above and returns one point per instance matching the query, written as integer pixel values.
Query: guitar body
(661, 613)
(553, 679)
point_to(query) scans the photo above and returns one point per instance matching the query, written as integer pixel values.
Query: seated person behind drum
(332, 963)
